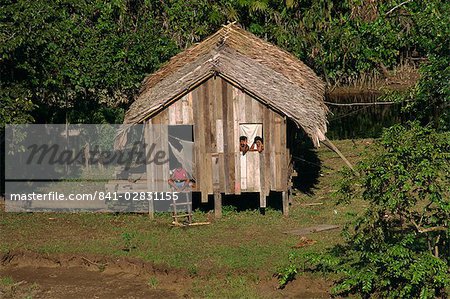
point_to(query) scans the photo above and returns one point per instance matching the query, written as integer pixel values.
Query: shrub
(399, 247)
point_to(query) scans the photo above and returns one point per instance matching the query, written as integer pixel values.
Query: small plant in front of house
(228, 210)
(153, 282)
(129, 243)
(288, 273)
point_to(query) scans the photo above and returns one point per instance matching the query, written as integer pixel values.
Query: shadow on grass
(307, 165)
(244, 202)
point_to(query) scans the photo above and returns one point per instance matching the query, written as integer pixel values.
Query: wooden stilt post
(285, 198)
(262, 200)
(262, 203)
(217, 205)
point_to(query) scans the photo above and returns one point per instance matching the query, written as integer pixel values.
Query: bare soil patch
(89, 276)
(303, 286)
(71, 276)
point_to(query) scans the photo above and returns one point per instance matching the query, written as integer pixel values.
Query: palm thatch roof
(273, 76)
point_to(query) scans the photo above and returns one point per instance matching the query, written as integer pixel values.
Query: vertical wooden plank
(197, 141)
(186, 110)
(262, 200)
(190, 109)
(219, 136)
(241, 100)
(237, 154)
(256, 111)
(231, 141)
(242, 159)
(262, 180)
(237, 173)
(172, 114)
(218, 95)
(248, 109)
(204, 92)
(148, 135)
(207, 116)
(203, 170)
(278, 151)
(257, 172)
(217, 205)
(266, 139)
(215, 172)
(212, 120)
(271, 147)
(178, 112)
(156, 120)
(222, 167)
(243, 163)
(157, 174)
(165, 147)
(161, 144)
(251, 171)
(260, 173)
(284, 154)
(225, 134)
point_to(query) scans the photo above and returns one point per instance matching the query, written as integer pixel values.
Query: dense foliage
(83, 60)
(400, 246)
(79, 57)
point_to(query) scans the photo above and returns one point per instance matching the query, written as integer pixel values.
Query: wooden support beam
(331, 146)
(285, 199)
(262, 200)
(217, 205)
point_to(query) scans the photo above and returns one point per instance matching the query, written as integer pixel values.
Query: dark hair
(258, 138)
(242, 138)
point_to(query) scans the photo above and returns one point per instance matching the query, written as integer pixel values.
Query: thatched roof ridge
(273, 76)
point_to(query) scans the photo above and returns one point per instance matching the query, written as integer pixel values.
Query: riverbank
(402, 77)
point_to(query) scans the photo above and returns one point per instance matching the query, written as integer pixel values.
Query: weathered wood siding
(216, 109)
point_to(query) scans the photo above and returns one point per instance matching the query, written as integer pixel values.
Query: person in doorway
(179, 179)
(258, 145)
(243, 145)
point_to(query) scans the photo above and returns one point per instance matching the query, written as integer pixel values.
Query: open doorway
(251, 145)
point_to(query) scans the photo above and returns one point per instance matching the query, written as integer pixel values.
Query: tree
(399, 247)
(79, 56)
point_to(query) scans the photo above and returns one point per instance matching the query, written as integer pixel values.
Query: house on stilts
(231, 88)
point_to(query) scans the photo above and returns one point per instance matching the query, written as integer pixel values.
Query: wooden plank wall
(216, 109)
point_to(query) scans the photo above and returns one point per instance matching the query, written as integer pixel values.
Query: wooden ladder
(187, 214)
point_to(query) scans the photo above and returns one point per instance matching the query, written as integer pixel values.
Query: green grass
(6, 281)
(228, 258)
(153, 282)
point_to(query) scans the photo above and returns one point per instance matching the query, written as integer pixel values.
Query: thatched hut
(234, 84)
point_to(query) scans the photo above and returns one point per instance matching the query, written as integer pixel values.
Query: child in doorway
(257, 145)
(243, 145)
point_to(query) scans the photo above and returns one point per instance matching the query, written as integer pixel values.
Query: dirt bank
(87, 276)
(27, 274)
